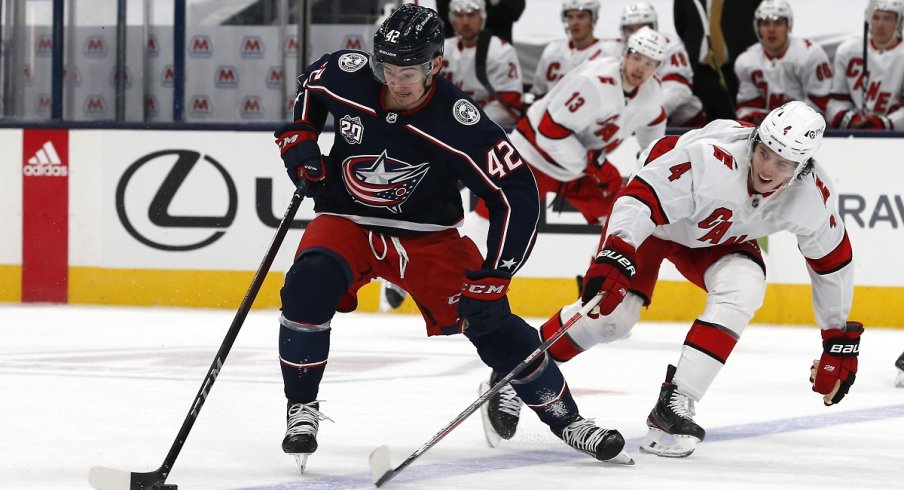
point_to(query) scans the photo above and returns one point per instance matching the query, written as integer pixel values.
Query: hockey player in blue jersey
(387, 205)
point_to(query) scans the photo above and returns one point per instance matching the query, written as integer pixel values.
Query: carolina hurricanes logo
(381, 181)
(787, 128)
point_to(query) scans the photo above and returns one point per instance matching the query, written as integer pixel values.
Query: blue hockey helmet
(411, 35)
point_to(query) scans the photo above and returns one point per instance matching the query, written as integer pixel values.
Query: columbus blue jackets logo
(352, 62)
(465, 112)
(380, 181)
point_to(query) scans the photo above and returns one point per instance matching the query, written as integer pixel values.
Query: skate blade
(622, 458)
(302, 460)
(667, 445)
(492, 437)
(899, 380)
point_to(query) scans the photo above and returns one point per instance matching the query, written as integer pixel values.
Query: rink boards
(183, 218)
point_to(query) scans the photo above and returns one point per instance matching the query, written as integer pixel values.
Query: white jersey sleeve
(677, 77)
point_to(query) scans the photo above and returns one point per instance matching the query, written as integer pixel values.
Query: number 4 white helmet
(639, 13)
(592, 6)
(794, 131)
(647, 42)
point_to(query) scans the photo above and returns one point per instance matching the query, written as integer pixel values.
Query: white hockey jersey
(587, 110)
(676, 75)
(697, 195)
(764, 83)
(558, 58)
(503, 73)
(883, 92)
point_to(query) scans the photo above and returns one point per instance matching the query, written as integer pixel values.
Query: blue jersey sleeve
(309, 108)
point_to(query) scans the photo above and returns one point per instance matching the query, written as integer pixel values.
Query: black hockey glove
(483, 304)
(300, 154)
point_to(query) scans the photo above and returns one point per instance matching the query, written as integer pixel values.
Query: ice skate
(899, 377)
(500, 413)
(302, 422)
(673, 432)
(603, 444)
(394, 295)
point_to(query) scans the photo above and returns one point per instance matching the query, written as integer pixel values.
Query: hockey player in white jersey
(701, 201)
(882, 86)
(684, 109)
(566, 136)
(503, 71)
(561, 56)
(781, 67)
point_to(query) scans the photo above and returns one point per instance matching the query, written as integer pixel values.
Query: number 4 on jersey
(678, 170)
(500, 159)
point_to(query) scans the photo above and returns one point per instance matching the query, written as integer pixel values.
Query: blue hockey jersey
(398, 171)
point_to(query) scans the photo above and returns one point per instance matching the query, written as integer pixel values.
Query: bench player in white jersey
(781, 67)
(701, 201)
(682, 106)
(502, 67)
(561, 56)
(883, 108)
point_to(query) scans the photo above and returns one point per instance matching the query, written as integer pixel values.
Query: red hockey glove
(835, 372)
(611, 272)
(854, 120)
(605, 174)
(483, 304)
(300, 154)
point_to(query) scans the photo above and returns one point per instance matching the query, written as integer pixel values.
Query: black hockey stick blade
(103, 478)
(380, 467)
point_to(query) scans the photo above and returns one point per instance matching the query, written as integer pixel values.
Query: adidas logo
(46, 161)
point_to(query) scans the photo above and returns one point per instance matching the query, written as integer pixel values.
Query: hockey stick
(480, 69)
(711, 55)
(865, 76)
(111, 479)
(380, 465)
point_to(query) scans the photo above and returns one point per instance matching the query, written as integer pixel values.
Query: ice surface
(88, 386)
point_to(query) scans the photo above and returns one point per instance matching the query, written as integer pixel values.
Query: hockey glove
(605, 174)
(300, 154)
(835, 372)
(483, 304)
(854, 120)
(611, 272)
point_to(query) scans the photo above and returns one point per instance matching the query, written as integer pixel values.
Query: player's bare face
(882, 27)
(769, 171)
(773, 35)
(406, 84)
(579, 24)
(637, 70)
(467, 25)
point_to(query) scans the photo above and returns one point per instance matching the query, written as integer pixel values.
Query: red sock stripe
(713, 340)
(563, 349)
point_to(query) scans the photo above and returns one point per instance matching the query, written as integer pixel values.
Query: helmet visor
(401, 76)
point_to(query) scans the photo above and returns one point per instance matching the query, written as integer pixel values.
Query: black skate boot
(395, 295)
(603, 444)
(899, 379)
(673, 432)
(302, 422)
(501, 412)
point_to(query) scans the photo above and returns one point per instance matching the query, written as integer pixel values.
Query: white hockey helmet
(773, 10)
(794, 131)
(468, 6)
(647, 42)
(894, 6)
(639, 13)
(592, 6)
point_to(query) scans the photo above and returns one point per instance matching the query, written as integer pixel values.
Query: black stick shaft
(233, 332)
(492, 391)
